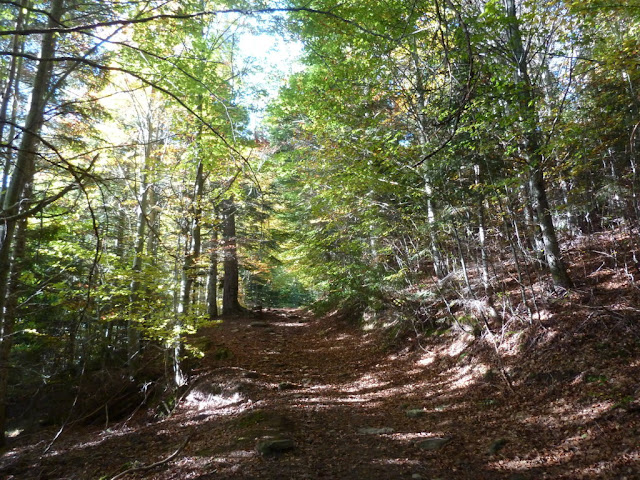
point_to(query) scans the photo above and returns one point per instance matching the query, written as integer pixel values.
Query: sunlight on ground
(563, 412)
(574, 447)
(289, 324)
(541, 315)
(202, 401)
(603, 469)
(427, 359)
(367, 382)
(562, 456)
(203, 462)
(463, 377)
(459, 377)
(410, 437)
(510, 343)
(234, 456)
(342, 337)
(396, 461)
(518, 464)
(105, 435)
(458, 346)
(330, 402)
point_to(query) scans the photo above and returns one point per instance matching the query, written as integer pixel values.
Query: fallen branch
(144, 468)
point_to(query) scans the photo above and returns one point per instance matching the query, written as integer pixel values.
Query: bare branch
(145, 468)
(188, 16)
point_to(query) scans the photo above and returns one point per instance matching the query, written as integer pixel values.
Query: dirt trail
(344, 407)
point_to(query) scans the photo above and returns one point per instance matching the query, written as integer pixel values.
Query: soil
(284, 395)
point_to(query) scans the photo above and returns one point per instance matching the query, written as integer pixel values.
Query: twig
(503, 372)
(144, 468)
(66, 422)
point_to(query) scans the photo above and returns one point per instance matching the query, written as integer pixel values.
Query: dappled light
(211, 402)
(310, 391)
(328, 239)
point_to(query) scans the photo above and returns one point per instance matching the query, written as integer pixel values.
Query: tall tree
(230, 290)
(21, 176)
(532, 146)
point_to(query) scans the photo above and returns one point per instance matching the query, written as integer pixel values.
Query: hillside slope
(286, 395)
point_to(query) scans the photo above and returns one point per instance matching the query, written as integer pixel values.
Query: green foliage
(398, 154)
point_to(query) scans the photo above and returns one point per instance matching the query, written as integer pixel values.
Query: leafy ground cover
(282, 394)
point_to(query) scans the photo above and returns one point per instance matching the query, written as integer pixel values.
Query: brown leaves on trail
(304, 398)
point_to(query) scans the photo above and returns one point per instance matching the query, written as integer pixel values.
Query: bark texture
(230, 302)
(532, 144)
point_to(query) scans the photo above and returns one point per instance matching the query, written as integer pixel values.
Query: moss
(222, 353)
(251, 419)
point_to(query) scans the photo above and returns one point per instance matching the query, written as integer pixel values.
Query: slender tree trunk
(152, 223)
(230, 303)
(121, 222)
(212, 281)
(482, 236)
(532, 234)
(133, 330)
(532, 149)
(193, 245)
(10, 92)
(421, 121)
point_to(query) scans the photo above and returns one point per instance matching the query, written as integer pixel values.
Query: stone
(435, 443)
(274, 446)
(375, 431)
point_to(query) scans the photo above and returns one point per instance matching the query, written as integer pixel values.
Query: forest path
(318, 383)
(289, 396)
(345, 404)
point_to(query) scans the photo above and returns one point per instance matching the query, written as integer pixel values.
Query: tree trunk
(212, 281)
(421, 122)
(551, 246)
(11, 307)
(230, 303)
(532, 143)
(193, 244)
(133, 331)
(482, 235)
(152, 223)
(22, 174)
(24, 167)
(11, 88)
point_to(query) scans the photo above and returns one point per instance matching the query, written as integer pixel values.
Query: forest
(187, 217)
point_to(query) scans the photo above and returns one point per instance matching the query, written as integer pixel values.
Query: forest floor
(284, 395)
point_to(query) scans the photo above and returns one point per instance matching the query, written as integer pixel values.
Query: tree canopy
(424, 151)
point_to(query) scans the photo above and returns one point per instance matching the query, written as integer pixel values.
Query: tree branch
(188, 16)
(144, 468)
